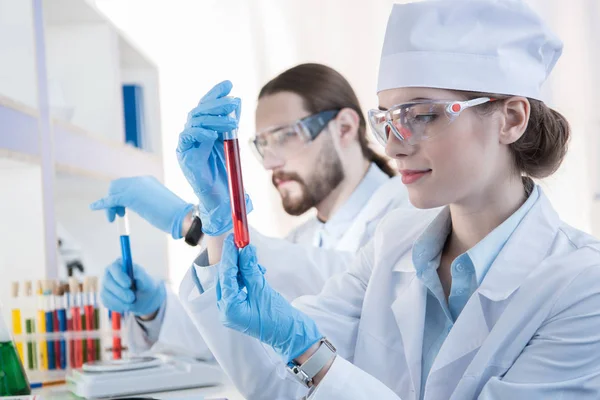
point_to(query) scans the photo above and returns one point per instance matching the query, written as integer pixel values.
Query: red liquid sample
(89, 324)
(236, 193)
(57, 355)
(116, 325)
(75, 311)
(70, 328)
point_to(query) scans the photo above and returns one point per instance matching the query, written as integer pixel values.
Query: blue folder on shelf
(133, 113)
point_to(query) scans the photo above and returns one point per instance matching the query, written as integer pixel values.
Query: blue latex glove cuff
(178, 221)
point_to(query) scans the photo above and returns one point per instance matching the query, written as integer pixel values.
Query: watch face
(195, 233)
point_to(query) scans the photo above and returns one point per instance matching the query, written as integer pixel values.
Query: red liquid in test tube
(88, 310)
(116, 326)
(236, 190)
(76, 315)
(78, 342)
(89, 325)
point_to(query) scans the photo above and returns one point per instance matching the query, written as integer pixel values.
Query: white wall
(573, 91)
(17, 52)
(21, 225)
(84, 61)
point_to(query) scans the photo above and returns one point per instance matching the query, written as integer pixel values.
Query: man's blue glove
(117, 296)
(202, 157)
(259, 311)
(148, 198)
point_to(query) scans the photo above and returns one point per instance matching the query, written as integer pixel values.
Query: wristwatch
(194, 234)
(306, 372)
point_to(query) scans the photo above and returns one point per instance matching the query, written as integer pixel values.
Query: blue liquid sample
(50, 329)
(127, 260)
(62, 327)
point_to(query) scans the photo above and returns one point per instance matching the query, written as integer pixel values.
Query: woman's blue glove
(202, 158)
(259, 311)
(116, 293)
(148, 198)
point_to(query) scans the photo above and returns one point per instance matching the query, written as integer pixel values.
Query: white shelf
(80, 152)
(51, 169)
(19, 137)
(88, 60)
(75, 150)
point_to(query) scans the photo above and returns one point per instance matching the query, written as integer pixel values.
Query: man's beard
(327, 176)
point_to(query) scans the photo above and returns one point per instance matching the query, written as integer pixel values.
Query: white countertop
(225, 391)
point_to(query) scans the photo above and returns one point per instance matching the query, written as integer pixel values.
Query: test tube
(236, 188)
(116, 326)
(49, 315)
(61, 316)
(32, 356)
(123, 224)
(41, 314)
(76, 316)
(55, 286)
(94, 300)
(89, 318)
(69, 299)
(16, 319)
(83, 322)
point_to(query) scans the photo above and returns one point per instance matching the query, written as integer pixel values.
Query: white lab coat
(178, 333)
(530, 331)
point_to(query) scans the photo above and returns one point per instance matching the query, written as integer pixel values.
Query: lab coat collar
(430, 223)
(524, 250)
(513, 264)
(485, 252)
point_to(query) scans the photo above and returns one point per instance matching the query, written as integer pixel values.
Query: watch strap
(315, 363)
(318, 360)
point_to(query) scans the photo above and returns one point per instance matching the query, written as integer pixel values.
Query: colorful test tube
(77, 329)
(49, 314)
(41, 314)
(17, 323)
(30, 301)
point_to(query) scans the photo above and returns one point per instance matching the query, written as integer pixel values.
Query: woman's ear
(515, 117)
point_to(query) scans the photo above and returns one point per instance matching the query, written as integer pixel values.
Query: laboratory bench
(224, 391)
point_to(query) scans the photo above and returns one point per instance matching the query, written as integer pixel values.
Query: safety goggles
(286, 141)
(419, 120)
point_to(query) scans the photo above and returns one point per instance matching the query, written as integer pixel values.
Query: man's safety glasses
(286, 141)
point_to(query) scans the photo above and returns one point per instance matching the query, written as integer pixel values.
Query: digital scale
(137, 375)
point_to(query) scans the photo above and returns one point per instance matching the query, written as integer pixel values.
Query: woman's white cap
(492, 46)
